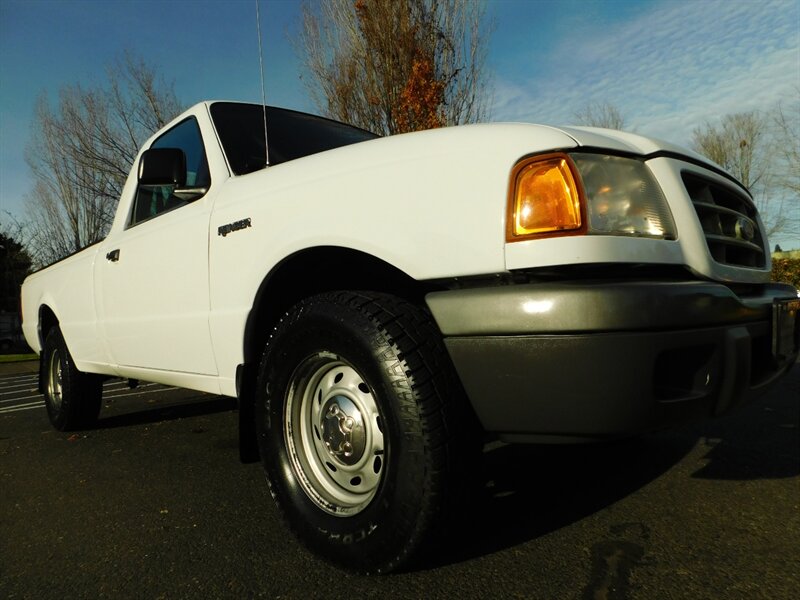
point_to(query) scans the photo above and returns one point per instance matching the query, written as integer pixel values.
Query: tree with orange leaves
(393, 66)
(422, 99)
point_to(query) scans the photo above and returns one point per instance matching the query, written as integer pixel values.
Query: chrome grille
(729, 222)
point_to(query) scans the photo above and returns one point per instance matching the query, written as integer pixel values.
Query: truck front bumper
(582, 361)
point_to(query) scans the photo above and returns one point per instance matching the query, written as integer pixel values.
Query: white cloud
(669, 69)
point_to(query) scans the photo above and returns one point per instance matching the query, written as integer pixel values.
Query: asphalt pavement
(154, 503)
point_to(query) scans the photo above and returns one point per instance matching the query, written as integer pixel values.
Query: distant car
(380, 305)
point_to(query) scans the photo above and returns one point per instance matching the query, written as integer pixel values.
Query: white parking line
(22, 390)
(111, 394)
(18, 378)
(16, 385)
(124, 385)
(30, 380)
(20, 398)
(29, 406)
(120, 386)
(114, 393)
(165, 389)
(21, 395)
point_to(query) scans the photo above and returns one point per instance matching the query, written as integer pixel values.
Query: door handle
(113, 256)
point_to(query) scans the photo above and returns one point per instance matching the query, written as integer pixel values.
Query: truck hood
(611, 139)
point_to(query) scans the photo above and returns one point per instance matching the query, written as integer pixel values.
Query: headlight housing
(560, 194)
(545, 198)
(623, 197)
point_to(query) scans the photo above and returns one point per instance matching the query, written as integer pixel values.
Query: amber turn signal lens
(545, 198)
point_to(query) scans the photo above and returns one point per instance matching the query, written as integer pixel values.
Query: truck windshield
(291, 134)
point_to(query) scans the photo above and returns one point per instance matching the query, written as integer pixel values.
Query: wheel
(72, 398)
(355, 413)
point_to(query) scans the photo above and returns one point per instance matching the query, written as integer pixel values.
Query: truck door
(154, 273)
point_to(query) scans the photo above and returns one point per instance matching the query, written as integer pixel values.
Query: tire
(355, 413)
(72, 398)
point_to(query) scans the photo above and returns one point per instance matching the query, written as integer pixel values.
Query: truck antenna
(263, 93)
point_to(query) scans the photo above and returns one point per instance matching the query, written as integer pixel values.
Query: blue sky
(669, 65)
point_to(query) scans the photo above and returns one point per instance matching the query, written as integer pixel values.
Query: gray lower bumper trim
(594, 307)
(611, 385)
(593, 360)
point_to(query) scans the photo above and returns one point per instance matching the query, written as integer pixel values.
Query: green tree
(15, 264)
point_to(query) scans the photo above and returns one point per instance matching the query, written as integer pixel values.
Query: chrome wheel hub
(343, 431)
(54, 379)
(333, 435)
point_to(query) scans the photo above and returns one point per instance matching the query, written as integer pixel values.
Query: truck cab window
(153, 200)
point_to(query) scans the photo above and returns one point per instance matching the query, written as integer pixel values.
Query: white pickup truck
(380, 306)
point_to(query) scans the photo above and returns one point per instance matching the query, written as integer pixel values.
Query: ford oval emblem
(745, 230)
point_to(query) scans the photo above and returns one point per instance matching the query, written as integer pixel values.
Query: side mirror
(163, 166)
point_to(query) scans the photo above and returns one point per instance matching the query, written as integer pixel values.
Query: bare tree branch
(81, 152)
(396, 65)
(750, 146)
(786, 127)
(600, 114)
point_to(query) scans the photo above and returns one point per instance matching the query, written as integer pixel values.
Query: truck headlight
(623, 197)
(560, 194)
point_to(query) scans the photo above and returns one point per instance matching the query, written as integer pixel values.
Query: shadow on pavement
(188, 408)
(760, 441)
(530, 491)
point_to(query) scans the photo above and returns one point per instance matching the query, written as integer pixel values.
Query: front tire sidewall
(383, 533)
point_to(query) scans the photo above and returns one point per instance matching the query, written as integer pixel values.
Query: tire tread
(445, 419)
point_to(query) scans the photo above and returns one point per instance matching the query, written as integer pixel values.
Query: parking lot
(153, 503)
(19, 392)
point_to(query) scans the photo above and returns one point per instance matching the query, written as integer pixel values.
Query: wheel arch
(316, 270)
(47, 320)
(305, 273)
